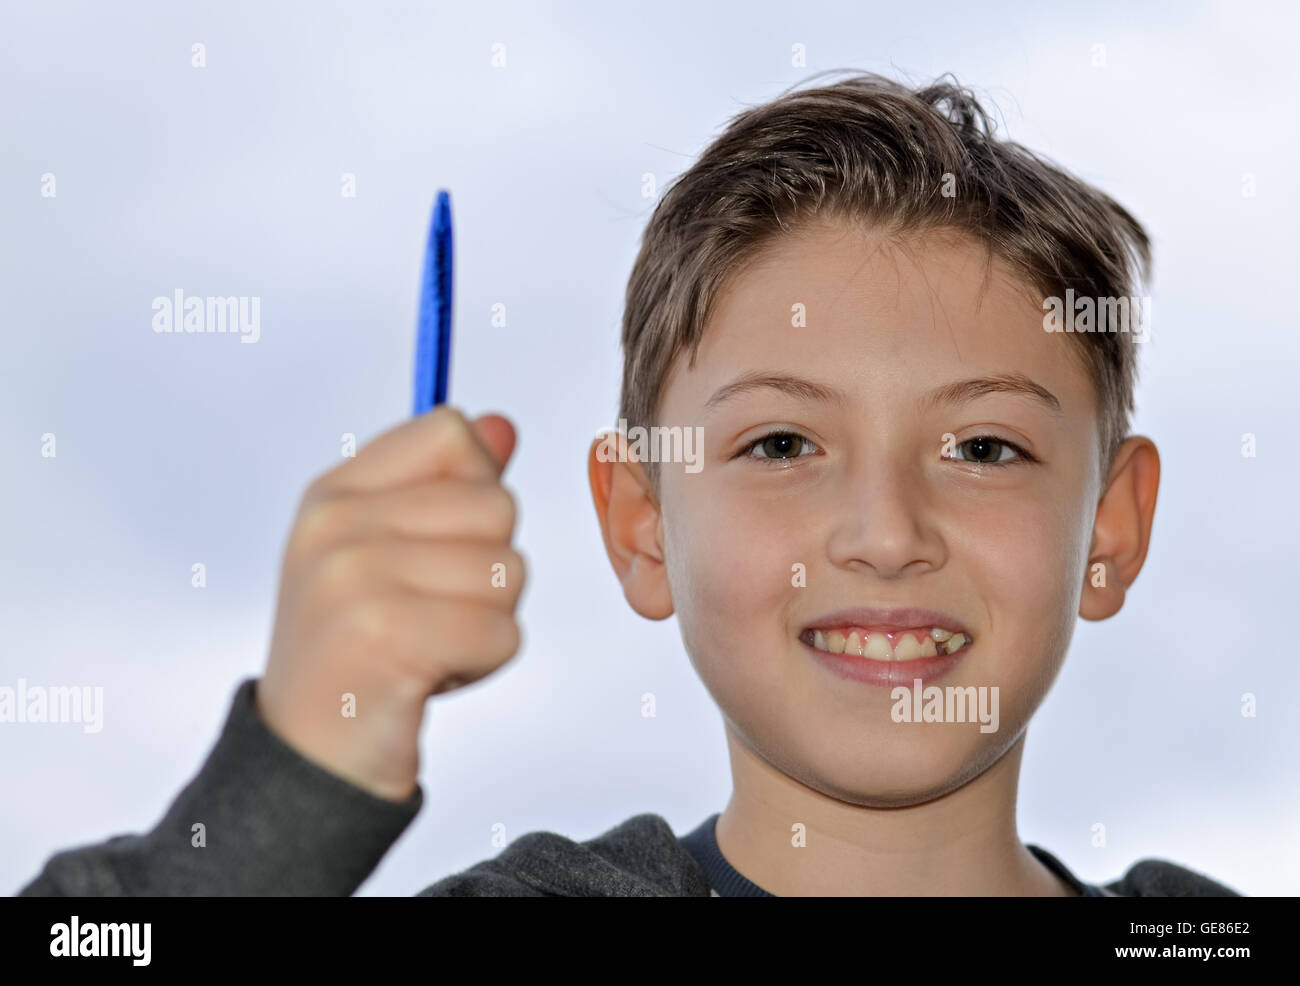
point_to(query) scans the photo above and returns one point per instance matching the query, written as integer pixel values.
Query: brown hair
(871, 149)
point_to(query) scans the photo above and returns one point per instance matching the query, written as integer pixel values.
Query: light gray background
(226, 180)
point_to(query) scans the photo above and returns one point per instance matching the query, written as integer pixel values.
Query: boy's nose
(884, 523)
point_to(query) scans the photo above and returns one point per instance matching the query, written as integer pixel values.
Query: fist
(399, 582)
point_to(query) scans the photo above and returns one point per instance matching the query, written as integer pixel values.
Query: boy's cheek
(1021, 553)
(733, 586)
(732, 577)
(1031, 606)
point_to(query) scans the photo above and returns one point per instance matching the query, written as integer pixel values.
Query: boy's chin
(925, 765)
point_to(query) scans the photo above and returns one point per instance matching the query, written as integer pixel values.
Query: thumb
(498, 435)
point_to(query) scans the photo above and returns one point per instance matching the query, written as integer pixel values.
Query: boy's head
(846, 296)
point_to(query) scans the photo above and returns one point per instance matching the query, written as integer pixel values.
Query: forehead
(882, 318)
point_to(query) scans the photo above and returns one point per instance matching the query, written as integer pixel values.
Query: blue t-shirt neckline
(727, 881)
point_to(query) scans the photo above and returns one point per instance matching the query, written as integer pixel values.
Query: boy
(908, 486)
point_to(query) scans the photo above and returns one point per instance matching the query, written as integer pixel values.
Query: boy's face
(862, 500)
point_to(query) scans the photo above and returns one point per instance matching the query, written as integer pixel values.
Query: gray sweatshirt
(277, 824)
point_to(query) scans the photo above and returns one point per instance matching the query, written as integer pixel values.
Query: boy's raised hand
(398, 582)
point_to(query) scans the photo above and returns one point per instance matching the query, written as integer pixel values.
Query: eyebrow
(957, 392)
(796, 387)
(1002, 383)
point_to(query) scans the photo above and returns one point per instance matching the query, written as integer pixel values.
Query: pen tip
(442, 210)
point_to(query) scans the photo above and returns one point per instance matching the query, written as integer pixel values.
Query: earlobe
(631, 524)
(1103, 596)
(1122, 528)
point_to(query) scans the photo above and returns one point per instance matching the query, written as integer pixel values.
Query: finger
(498, 434)
(448, 508)
(491, 575)
(436, 444)
(449, 639)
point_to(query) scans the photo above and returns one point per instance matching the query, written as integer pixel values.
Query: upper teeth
(878, 647)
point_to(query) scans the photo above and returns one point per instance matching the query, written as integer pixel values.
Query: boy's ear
(631, 523)
(1121, 531)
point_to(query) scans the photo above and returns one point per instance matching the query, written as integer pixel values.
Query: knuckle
(520, 565)
(320, 520)
(497, 634)
(504, 509)
(320, 488)
(507, 637)
(372, 619)
(316, 486)
(344, 567)
(512, 637)
(453, 423)
(459, 444)
(515, 572)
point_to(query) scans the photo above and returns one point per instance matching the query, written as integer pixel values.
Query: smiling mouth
(911, 644)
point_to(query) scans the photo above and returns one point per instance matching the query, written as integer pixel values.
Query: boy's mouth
(887, 645)
(888, 634)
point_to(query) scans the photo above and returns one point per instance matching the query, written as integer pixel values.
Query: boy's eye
(780, 445)
(988, 450)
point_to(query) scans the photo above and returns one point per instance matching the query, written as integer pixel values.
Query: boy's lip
(888, 620)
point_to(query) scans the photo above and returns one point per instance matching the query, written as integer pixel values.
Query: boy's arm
(399, 583)
(273, 823)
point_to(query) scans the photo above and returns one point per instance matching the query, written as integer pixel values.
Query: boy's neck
(961, 844)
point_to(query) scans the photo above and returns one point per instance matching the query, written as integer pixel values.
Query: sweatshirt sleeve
(274, 823)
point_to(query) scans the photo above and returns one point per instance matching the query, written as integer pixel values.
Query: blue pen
(433, 328)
